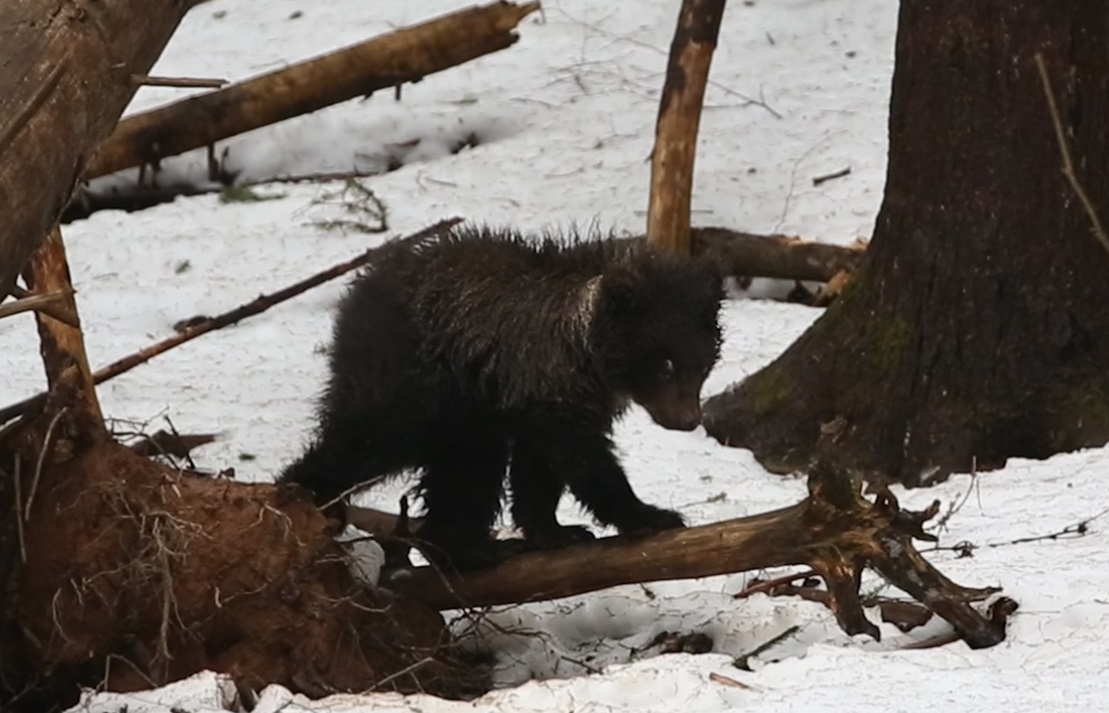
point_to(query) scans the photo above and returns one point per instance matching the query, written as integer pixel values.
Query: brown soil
(137, 575)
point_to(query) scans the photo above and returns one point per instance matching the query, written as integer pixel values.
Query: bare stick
(767, 584)
(249, 309)
(43, 303)
(816, 181)
(149, 81)
(1068, 164)
(19, 507)
(679, 114)
(41, 460)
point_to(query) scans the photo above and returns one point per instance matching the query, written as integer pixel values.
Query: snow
(565, 123)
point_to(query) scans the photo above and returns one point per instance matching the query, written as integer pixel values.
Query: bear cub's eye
(667, 369)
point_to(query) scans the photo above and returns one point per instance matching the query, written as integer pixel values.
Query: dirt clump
(136, 575)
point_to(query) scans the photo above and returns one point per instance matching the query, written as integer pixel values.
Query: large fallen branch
(679, 114)
(66, 79)
(780, 256)
(835, 531)
(406, 55)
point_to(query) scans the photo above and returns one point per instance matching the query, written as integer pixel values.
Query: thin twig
(1068, 164)
(41, 460)
(1072, 531)
(407, 669)
(19, 507)
(768, 584)
(241, 312)
(150, 81)
(816, 181)
(729, 681)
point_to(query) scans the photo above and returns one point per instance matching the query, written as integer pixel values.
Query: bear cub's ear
(623, 291)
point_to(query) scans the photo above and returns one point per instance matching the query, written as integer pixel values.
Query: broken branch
(148, 81)
(48, 303)
(679, 114)
(406, 55)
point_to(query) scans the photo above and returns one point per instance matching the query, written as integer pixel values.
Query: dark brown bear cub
(481, 351)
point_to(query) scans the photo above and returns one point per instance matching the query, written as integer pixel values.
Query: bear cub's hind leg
(462, 485)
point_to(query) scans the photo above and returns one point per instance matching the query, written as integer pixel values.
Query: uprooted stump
(128, 574)
(835, 530)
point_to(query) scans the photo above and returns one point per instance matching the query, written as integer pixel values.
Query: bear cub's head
(656, 330)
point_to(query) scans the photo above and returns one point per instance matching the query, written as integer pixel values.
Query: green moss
(1086, 407)
(767, 390)
(889, 339)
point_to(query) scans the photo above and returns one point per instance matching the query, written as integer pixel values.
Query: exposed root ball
(138, 575)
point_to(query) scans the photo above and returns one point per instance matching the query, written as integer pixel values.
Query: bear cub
(482, 351)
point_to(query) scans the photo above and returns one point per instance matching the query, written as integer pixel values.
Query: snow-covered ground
(565, 122)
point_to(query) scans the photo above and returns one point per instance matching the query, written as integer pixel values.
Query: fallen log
(679, 113)
(66, 79)
(406, 55)
(835, 531)
(777, 256)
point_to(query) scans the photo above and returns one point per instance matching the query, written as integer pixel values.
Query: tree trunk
(679, 114)
(66, 79)
(406, 55)
(976, 328)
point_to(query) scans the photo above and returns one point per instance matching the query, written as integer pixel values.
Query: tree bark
(976, 329)
(66, 79)
(835, 531)
(62, 344)
(406, 55)
(679, 114)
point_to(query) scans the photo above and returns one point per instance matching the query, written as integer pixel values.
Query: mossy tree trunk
(978, 326)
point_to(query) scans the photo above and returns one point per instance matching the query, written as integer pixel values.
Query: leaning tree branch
(406, 55)
(835, 531)
(679, 113)
(62, 343)
(66, 81)
(210, 324)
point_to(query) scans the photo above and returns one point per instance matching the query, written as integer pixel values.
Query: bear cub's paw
(553, 538)
(648, 519)
(473, 555)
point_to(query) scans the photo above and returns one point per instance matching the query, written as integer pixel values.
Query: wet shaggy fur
(466, 355)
